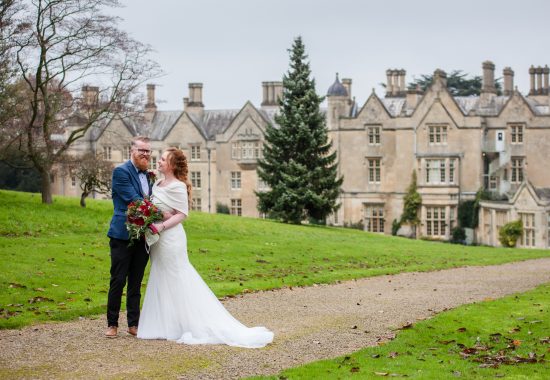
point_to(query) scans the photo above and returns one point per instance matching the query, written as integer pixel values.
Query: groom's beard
(142, 163)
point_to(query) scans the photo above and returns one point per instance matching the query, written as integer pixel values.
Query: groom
(130, 182)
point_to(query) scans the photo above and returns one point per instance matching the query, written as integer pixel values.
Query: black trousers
(126, 263)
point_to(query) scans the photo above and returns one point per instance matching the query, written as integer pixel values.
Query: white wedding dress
(178, 304)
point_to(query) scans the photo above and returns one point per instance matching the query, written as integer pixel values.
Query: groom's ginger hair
(177, 160)
(144, 139)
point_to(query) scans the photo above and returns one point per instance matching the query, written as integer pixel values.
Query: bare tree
(93, 172)
(8, 10)
(59, 46)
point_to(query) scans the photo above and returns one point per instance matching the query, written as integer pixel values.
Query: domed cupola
(337, 88)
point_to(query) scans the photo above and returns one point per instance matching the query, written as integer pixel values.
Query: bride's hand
(158, 227)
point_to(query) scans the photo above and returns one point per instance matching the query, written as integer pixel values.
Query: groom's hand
(167, 215)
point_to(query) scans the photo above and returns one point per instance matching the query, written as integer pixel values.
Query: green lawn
(55, 263)
(507, 338)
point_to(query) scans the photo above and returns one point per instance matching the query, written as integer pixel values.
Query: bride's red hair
(178, 162)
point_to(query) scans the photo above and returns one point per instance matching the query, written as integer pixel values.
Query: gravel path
(309, 323)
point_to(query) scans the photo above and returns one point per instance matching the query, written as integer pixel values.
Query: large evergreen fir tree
(298, 162)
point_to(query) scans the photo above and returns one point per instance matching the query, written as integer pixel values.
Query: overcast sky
(231, 46)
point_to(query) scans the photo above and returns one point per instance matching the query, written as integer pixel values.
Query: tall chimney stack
(538, 70)
(402, 89)
(272, 92)
(546, 89)
(265, 92)
(195, 95)
(346, 82)
(488, 78)
(389, 83)
(150, 106)
(90, 96)
(532, 70)
(194, 103)
(508, 74)
(277, 91)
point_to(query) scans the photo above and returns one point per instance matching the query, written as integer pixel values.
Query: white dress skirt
(178, 305)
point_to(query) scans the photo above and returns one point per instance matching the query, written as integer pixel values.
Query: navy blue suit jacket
(126, 188)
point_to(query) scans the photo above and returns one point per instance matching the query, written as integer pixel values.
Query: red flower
(140, 216)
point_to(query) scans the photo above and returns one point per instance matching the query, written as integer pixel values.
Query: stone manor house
(456, 145)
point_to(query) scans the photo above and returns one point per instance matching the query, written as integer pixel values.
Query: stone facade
(456, 145)
(530, 205)
(222, 147)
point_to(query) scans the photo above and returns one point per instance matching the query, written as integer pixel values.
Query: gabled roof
(269, 115)
(543, 193)
(540, 195)
(97, 129)
(394, 106)
(213, 122)
(373, 97)
(538, 109)
(162, 124)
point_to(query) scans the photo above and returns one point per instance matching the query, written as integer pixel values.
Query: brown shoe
(111, 332)
(132, 330)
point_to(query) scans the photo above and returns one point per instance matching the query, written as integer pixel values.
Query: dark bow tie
(142, 172)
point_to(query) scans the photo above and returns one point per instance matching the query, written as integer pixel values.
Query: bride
(178, 304)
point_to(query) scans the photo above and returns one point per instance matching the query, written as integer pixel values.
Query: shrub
(411, 203)
(221, 208)
(510, 233)
(466, 211)
(458, 235)
(395, 226)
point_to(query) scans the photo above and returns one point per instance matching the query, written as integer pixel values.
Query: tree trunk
(83, 197)
(46, 187)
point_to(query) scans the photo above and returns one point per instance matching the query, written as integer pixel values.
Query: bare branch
(63, 42)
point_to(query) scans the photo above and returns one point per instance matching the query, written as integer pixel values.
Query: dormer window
(246, 151)
(195, 152)
(517, 170)
(235, 153)
(107, 153)
(127, 152)
(374, 135)
(517, 133)
(437, 134)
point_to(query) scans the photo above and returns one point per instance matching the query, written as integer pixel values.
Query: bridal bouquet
(140, 217)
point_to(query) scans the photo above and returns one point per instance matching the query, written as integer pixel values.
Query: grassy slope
(55, 262)
(453, 345)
